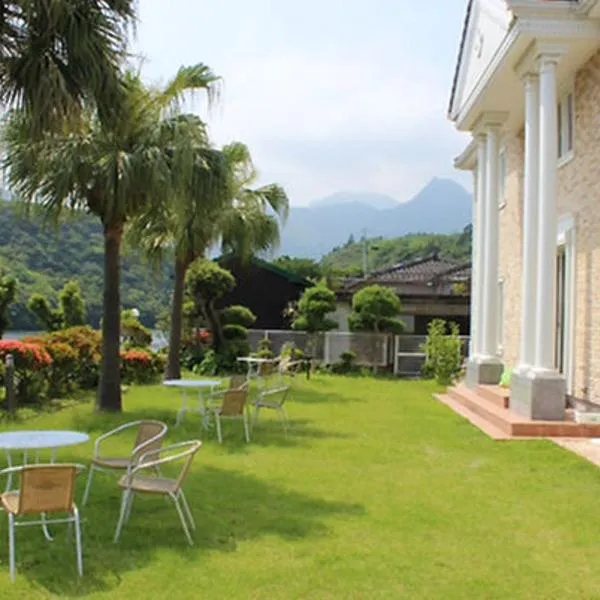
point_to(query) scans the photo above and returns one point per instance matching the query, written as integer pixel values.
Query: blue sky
(330, 95)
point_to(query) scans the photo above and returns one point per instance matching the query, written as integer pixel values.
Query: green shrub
(142, 366)
(346, 364)
(265, 349)
(506, 378)
(209, 364)
(443, 352)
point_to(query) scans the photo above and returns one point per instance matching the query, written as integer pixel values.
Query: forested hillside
(382, 253)
(44, 258)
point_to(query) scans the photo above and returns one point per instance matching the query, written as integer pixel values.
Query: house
(429, 287)
(527, 90)
(264, 288)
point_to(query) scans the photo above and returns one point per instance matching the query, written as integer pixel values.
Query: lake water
(159, 339)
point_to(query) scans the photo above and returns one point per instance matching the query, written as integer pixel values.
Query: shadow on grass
(229, 508)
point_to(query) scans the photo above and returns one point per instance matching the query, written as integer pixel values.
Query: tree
(376, 308)
(114, 170)
(8, 291)
(59, 55)
(313, 309)
(303, 267)
(207, 282)
(71, 310)
(221, 209)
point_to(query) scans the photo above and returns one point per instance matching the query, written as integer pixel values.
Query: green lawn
(377, 492)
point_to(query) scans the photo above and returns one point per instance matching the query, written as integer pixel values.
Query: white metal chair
(150, 436)
(146, 478)
(44, 489)
(233, 407)
(273, 399)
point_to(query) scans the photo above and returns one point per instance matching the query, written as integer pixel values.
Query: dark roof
(461, 49)
(263, 264)
(423, 270)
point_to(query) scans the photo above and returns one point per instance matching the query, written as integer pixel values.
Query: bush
(506, 378)
(87, 344)
(289, 350)
(443, 352)
(264, 349)
(209, 364)
(238, 315)
(32, 362)
(346, 364)
(142, 366)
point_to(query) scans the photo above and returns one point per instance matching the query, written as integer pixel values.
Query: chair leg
(255, 418)
(182, 519)
(219, 432)
(11, 545)
(186, 506)
(124, 502)
(47, 533)
(246, 428)
(129, 505)
(283, 414)
(88, 486)
(78, 545)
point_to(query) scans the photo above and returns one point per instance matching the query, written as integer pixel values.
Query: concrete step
(482, 424)
(495, 394)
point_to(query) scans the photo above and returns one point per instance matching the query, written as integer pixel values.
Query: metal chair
(145, 478)
(150, 436)
(233, 407)
(273, 399)
(44, 489)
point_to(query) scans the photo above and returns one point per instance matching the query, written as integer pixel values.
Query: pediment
(485, 28)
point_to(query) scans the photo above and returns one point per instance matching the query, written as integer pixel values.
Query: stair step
(496, 394)
(481, 423)
(497, 416)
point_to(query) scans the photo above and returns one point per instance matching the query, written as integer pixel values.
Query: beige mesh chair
(146, 478)
(44, 489)
(233, 407)
(150, 436)
(273, 399)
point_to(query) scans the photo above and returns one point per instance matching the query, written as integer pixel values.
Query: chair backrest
(265, 369)
(276, 395)
(234, 402)
(238, 382)
(151, 434)
(47, 489)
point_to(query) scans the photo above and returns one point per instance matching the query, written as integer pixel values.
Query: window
(502, 179)
(566, 125)
(500, 331)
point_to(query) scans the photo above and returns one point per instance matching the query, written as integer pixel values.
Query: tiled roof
(423, 270)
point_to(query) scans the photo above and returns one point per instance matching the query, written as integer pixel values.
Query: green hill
(383, 253)
(43, 258)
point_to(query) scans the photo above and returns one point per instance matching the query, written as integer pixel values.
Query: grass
(377, 492)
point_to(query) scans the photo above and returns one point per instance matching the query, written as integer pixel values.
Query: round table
(26, 441)
(187, 385)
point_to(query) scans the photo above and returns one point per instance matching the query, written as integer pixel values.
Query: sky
(330, 95)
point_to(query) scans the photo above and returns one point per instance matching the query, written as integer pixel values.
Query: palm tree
(226, 211)
(113, 170)
(57, 56)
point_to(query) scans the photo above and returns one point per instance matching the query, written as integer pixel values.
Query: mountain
(443, 206)
(378, 201)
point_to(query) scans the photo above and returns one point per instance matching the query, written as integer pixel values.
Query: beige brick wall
(511, 240)
(579, 197)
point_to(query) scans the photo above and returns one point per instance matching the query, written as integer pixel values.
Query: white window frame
(502, 178)
(500, 332)
(566, 125)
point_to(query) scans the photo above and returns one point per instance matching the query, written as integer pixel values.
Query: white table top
(41, 440)
(255, 359)
(191, 383)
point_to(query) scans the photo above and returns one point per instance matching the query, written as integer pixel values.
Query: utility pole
(365, 254)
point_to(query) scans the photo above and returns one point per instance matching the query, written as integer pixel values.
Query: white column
(547, 226)
(530, 222)
(489, 347)
(473, 347)
(478, 263)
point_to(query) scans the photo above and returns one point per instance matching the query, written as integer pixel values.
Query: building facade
(527, 88)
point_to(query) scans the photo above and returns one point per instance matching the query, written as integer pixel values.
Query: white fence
(403, 353)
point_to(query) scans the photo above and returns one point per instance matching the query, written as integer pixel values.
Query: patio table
(187, 385)
(28, 441)
(254, 363)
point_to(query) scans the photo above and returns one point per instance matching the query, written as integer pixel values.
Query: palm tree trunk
(109, 390)
(173, 365)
